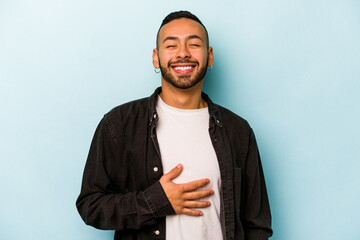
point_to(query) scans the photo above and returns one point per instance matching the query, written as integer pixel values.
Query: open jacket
(121, 189)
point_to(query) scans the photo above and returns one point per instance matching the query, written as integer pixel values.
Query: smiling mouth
(183, 69)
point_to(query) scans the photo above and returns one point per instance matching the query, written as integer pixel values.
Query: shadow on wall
(224, 83)
(215, 82)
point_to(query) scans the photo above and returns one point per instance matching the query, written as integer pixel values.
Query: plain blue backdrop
(291, 68)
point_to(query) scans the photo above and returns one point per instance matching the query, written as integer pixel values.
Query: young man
(213, 186)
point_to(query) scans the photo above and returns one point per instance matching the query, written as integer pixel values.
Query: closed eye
(194, 45)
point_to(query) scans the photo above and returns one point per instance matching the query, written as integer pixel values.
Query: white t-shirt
(184, 138)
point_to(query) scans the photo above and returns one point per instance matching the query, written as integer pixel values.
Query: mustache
(183, 61)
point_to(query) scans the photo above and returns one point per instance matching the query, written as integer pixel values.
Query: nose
(183, 52)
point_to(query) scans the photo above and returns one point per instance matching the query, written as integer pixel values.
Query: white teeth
(183, 68)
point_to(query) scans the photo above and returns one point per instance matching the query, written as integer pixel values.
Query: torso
(184, 138)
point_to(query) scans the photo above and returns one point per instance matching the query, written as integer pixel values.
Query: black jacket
(121, 189)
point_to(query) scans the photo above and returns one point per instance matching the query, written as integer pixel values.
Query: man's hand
(184, 197)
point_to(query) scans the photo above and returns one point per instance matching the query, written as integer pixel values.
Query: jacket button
(156, 169)
(157, 232)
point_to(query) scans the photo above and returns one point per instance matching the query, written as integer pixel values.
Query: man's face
(182, 54)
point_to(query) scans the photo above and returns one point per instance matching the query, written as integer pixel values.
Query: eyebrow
(170, 38)
(194, 36)
(188, 38)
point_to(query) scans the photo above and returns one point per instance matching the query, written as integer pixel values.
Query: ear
(155, 58)
(210, 57)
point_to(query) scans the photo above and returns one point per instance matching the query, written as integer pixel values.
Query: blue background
(291, 68)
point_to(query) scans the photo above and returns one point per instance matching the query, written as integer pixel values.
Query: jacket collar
(214, 111)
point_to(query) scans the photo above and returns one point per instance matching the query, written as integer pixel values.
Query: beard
(184, 81)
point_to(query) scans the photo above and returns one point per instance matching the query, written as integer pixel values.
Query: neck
(183, 98)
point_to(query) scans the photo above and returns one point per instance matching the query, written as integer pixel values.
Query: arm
(257, 216)
(104, 207)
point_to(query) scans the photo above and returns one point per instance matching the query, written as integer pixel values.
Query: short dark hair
(181, 14)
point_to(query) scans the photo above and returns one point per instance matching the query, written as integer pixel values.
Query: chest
(187, 141)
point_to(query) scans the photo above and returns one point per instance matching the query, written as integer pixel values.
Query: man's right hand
(184, 197)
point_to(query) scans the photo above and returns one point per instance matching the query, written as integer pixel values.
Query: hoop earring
(155, 69)
(210, 68)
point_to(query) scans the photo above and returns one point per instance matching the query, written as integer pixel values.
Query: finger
(191, 186)
(174, 172)
(196, 204)
(198, 194)
(191, 212)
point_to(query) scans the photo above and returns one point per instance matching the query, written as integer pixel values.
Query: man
(214, 185)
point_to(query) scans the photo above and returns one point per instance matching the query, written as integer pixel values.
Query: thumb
(174, 172)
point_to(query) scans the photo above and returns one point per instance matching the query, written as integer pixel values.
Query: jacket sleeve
(257, 216)
(103, 207)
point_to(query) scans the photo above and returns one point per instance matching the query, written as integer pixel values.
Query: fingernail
(212, 191)
(208, 203)
(200, 213)
(179, 165)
